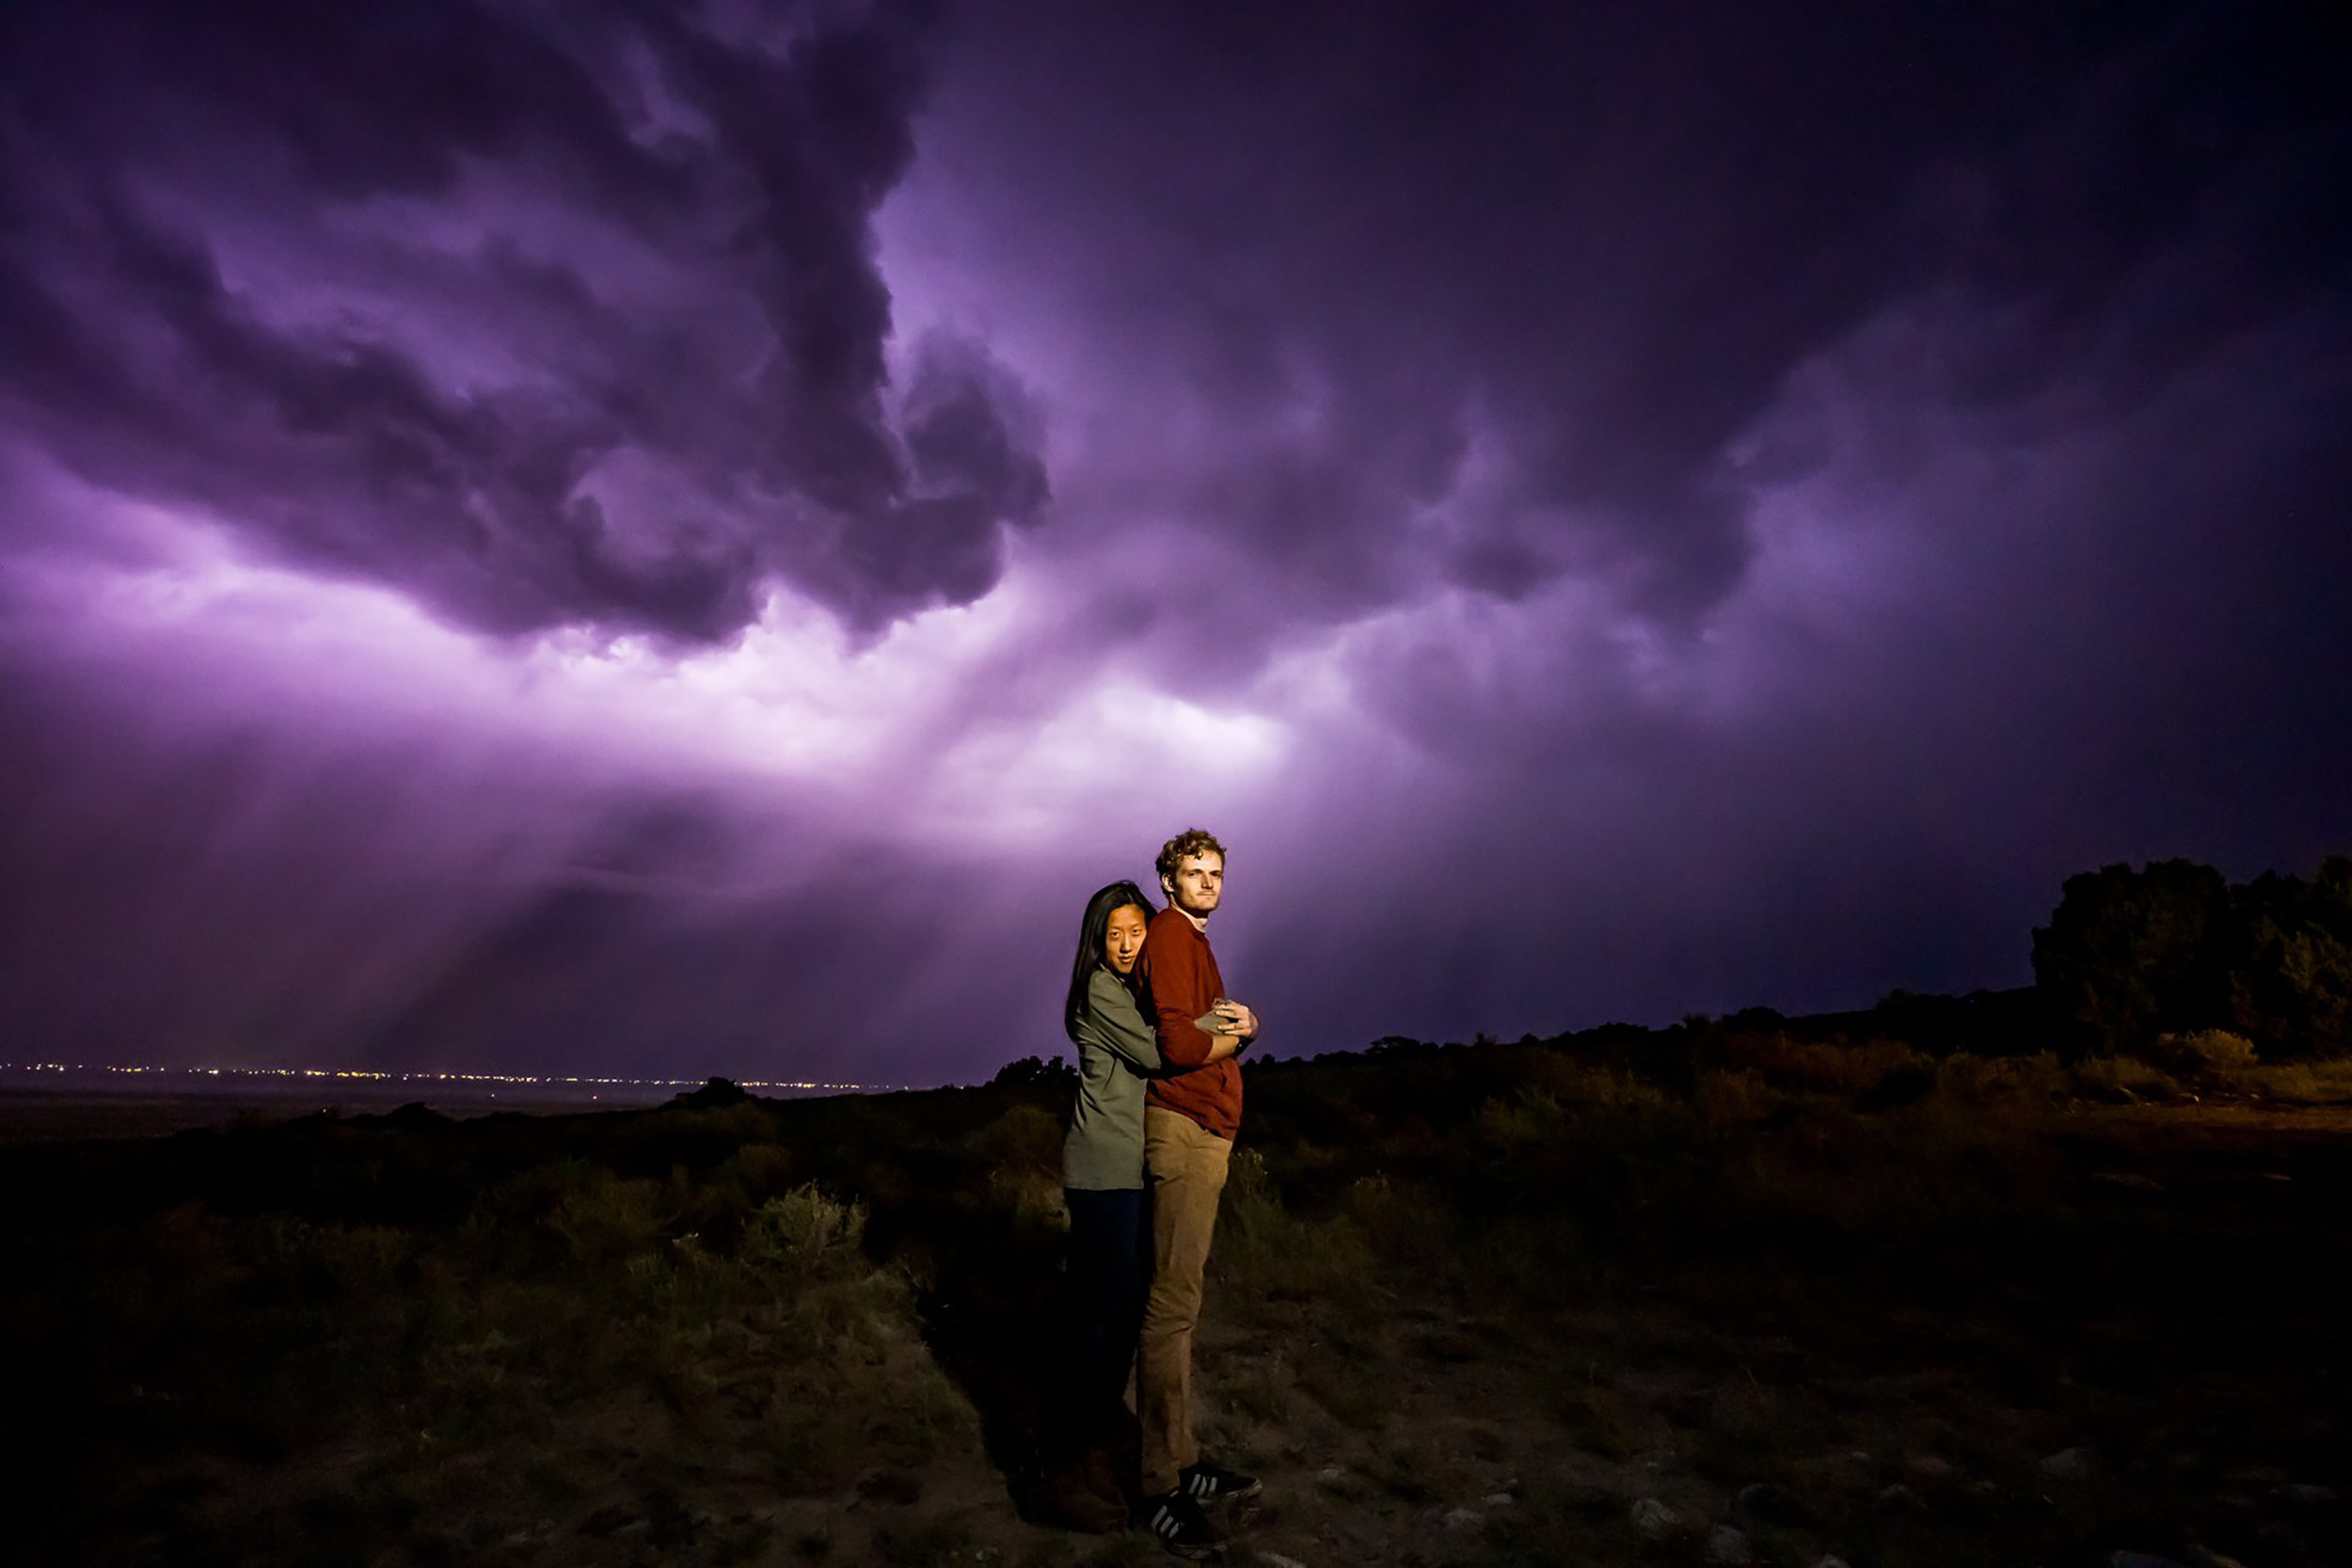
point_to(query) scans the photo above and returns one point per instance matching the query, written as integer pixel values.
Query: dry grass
(1467, 1307)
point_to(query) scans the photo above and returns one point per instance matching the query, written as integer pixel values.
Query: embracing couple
(1159, 1101)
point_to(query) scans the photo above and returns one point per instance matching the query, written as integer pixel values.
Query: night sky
(639, 537)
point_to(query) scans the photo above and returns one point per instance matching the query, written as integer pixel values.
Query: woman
(1110, 1231)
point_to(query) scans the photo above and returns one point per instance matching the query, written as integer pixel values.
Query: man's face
(1199, 882)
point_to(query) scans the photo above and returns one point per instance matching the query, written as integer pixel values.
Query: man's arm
(1175, 984)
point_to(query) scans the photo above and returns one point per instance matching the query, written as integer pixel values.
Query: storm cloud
(546, 325)
(696, 536)
(1409, 297)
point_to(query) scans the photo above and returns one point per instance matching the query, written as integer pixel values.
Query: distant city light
(377, 1075)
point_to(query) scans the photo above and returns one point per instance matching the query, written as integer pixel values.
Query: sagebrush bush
(606, 1217)
(1737, 1099)
(1033, 1197)
(1599, 1162)
(2126, 1078)
(1566, 1080)
(1406, 1222)
(2302, 1082)
(2207, 1053)
(1027, 1137)
(1263, 1252)
(762, 1169)
(1821, 1067)
(2040, 1076)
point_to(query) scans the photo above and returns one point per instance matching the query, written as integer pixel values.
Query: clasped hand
(1238, 1020)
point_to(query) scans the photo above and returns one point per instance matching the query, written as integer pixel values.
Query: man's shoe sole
(1167, 1538)
(1251, 1490)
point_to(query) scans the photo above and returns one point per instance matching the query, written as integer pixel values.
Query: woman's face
(1123, 938)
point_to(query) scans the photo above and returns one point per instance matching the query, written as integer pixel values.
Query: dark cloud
(1609, 510)
(971, 435)
(160, 159)
(1605, 237)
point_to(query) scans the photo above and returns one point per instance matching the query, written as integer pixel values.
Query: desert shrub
(1563, 1080)
(1622, 1116)
(2040, 1076)
(764, 1168)
(2302, 1082)
(186, 1241)
(1836, 1184)
(1532, 1259)
(804, 1231)
(531, 1193)
(2203, 1053)
(480, 1359)
(1404, 1221)
(1027, 1137)
(848, 1380)
(1033, 1198)
(2122, 1079)
(1531, 1118)
(714, 1130)
(1021, 1154)
(1304, 1170)
(605, 1217)
(1737, 1099)
(1263, 1252)
(1819, 1067)
(363, 1258)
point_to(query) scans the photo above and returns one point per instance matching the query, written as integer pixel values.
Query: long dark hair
(1091, 949)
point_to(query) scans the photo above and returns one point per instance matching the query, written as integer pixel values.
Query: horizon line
(433, 1076)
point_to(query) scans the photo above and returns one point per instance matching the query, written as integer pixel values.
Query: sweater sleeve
(1113, 1021)
(1175, 982)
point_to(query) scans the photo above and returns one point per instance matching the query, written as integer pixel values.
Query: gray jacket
(1117, 1053)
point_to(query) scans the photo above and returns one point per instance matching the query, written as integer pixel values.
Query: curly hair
(1192, 841)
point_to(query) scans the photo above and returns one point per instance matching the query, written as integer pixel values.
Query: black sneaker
(1178, 1524)
(1205, 1483)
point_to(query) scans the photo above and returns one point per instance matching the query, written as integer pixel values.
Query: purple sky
(563, 536)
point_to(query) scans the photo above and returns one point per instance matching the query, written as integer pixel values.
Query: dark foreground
(1736, 1299)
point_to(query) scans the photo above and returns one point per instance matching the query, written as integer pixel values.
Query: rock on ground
(1655, 1519)
(2067, 1465)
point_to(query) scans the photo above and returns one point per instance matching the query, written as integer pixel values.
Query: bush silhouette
(2174, 949)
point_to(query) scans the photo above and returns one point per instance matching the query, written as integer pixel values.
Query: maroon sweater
(1177, 975)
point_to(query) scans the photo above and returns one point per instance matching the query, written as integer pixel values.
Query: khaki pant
(1184, 1163)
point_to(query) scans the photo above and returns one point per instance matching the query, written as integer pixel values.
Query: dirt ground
(2129, 1347)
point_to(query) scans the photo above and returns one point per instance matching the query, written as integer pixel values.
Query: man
(1189, 1120)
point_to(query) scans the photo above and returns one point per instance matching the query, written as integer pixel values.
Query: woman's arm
(1112, 1020)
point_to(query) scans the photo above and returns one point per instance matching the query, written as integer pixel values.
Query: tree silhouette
(2174, 949)
(2290, 984)
(1034, 1070)
(2130, 954)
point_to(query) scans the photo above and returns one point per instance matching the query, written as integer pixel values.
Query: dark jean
(1110, 1271)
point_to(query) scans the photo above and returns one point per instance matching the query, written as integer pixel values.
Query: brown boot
(1109, 1474)
(1120, 1450)
(1071, 1497)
